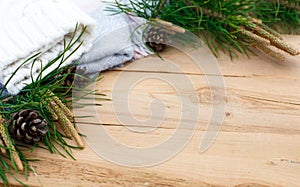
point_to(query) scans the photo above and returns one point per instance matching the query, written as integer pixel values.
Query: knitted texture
(118, 38)
(29, 27)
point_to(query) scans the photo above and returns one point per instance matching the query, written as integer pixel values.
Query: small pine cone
(75, 76)
(156, 39)
(80, 77)
(69, 79)
(28, 125)
(63, 75)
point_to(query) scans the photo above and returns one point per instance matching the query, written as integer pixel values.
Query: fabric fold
(118, 39)
(30, 27)
(42, 26)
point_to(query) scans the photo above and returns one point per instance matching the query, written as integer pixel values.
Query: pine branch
(48, 88)
(224, 25)
(281, 15)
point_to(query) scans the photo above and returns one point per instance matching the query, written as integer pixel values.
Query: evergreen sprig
(223, 24)
(282, 15)
(38, 96)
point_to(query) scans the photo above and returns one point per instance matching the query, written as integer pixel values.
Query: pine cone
(74, 74)
(156, 39)
(67, 77)
(80, 77)
(68, 81)
(28, 125)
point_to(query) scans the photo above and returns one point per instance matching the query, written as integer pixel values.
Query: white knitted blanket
(29, 27)
(41, 26)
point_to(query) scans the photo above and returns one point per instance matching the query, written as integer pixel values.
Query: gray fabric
(113, 45)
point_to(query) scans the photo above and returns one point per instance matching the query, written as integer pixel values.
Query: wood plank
(257, 144)
(259, 65)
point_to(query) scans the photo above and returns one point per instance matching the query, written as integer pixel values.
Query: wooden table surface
(258, 143)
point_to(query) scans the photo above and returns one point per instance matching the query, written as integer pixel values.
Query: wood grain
(258, 144)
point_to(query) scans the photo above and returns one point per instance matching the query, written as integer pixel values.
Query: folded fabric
(29, 27)
(42, 26)
(117, 38)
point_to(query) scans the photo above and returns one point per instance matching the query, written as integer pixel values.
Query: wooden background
(258, 144)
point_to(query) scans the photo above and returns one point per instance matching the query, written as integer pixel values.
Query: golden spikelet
(64, 121)
(16, 159)
(178, 29)
(255, 20)
(275, 41)
(55, 117)
(65, 109)
(283, 45)
(270, 30)
(164, 23)
(168, 26)
(7, 143)
(254, 37)
(2, 148)
(269, 50)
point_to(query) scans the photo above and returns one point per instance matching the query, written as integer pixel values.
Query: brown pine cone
(28, 125)
(156, 39)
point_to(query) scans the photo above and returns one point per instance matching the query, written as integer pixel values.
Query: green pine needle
(217, 22)
(33, 97)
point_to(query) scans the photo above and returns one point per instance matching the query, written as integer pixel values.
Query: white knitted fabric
(32, 26)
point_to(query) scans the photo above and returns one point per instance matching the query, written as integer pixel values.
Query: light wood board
(258, 144)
